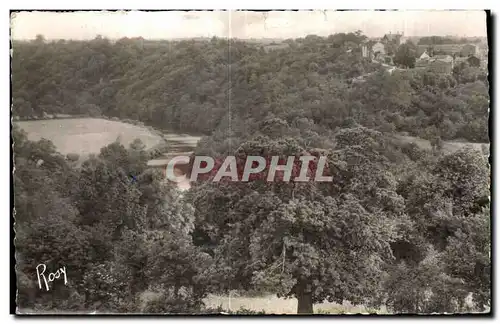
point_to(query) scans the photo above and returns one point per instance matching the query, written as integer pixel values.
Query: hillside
(195, 86)
(399, 223)
(448, 146)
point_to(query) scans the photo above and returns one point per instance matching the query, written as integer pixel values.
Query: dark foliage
(399, 225)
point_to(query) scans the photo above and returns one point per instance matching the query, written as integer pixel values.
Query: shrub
(168, 303)
(241, 311)
(485, 148)
(73, 157)
(413, 151)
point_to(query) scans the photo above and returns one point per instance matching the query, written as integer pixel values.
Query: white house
(378, 49)
(364, 50)
(424, 56)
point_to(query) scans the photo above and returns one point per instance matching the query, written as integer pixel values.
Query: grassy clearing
(87, 135)
(448, 146)
(271, 304)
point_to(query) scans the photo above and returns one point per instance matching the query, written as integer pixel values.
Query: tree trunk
(305, 304)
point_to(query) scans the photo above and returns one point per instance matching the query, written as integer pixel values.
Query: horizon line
(224, 37)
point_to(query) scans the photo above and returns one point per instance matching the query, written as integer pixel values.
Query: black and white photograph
(251, 162)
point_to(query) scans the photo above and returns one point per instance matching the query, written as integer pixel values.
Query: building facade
(378, 49)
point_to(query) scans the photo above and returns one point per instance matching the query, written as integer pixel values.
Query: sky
(243, 24)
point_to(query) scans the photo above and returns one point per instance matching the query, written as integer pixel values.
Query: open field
(448, 146)
(271, 304)
(88, 135)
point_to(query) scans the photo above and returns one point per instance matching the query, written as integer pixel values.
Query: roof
(424, 55)
(439, 62)
(444, 58)
(393, 37)
(421, 49)
(421, 63)
(448, 48)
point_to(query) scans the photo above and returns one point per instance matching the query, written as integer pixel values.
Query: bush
(158, 150)
(167, 303)
(241, 311)
(73, 157)
(413, 151)
(485, 148)
(244, 311)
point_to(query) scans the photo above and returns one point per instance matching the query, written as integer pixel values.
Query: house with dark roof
(421, 49)
(378, 49)
(474, 61)
(392, 38)
(437, 63)
(448, 49)
(459, 60)
(468, 50)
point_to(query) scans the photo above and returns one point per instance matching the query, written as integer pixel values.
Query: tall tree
(405, 55)
(316, 243)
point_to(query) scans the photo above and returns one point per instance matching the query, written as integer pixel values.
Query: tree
(73, 157)
(106, 196)
(113, 79)
(396, 215)
(317, 243)
(436, 143)
(405, 56)
(448, 207)
(176, 268)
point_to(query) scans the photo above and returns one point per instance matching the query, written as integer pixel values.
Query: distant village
(436, 57)
(440, 58)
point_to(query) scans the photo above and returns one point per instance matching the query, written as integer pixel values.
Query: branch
(284, 256)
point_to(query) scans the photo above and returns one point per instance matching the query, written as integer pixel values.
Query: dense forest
(400, 226)
(197, 85)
